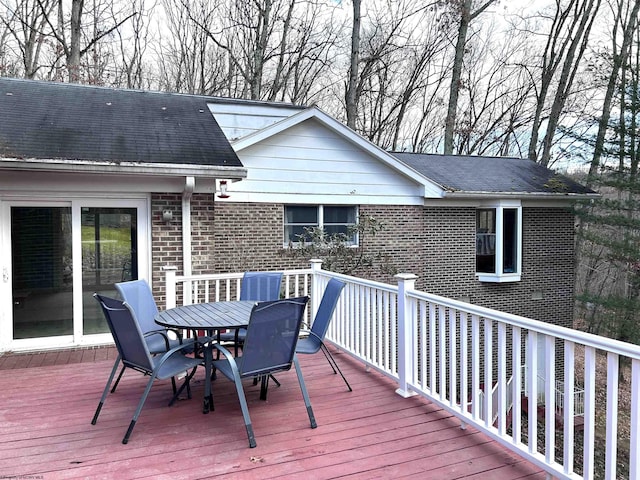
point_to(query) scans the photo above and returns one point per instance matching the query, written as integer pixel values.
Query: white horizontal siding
(238, 120)
(308, 163)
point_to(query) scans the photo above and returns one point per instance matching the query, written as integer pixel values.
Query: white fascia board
(96, 167)
(431, 189)
(526, 199)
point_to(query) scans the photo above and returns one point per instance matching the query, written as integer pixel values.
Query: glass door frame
(141, 203)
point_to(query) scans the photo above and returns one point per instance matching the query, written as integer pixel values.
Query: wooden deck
(46, 409)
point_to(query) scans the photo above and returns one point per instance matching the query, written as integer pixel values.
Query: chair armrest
(162, 332)
(224, 351)
(310, 333)
(177, 348)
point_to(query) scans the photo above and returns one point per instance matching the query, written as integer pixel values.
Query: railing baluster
(634, 445)
(549, 392)
(502, 378)
(423, 345)
(569, 406)
(464, 358)
(488, 372)
(532, 391)
(475, 369)
(442, 355)
(589, 411)
(516, 385)
(453, 358)
(612, 416)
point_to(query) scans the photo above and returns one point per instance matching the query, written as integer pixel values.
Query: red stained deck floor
(47, 401)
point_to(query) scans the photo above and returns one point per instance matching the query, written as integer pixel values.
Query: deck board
(46, 409)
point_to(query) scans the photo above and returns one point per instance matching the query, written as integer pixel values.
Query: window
(498, 242)
(333, 220)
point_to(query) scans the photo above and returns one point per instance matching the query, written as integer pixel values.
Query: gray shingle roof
(46, 120)
(472, 174)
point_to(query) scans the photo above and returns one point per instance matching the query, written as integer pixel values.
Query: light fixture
(167, 216)
(223, 189)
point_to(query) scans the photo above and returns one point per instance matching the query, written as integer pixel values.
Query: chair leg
(305, 395)
(334, 365)
(125, 440)
(245, 411)
(106, 389)
(187, 384)
(113, 389)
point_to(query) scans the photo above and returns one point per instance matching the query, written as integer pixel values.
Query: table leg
(208, 360)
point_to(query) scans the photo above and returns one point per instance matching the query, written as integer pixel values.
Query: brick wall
(435, 243)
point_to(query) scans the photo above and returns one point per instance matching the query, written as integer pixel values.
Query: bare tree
(626, 23)
(273, 49)
(352, 92)
(494, 96)
(466, 14)
(566, 42)
(26, 22)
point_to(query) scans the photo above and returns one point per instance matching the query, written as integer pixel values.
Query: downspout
(189, 186)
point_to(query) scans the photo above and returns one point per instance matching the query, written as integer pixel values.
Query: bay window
(499, 242)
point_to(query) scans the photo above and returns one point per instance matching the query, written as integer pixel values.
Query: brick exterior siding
(435, 243)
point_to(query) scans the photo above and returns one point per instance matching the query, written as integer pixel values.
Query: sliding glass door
(41, 264)
(60, 254)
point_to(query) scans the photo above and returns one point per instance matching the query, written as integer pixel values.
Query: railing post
(406, 281)
(170, 285)
(316, 292)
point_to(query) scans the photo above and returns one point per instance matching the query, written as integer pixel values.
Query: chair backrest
(325, 310)
(126, 333)
(272, 336)
(137, 294)
(261, 286)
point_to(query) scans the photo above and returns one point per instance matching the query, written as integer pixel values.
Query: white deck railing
(442, 348)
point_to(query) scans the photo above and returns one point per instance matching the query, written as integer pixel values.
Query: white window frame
(500, 276)
(321, 222)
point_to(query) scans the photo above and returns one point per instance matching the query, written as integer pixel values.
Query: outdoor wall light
(223, 189)
(167, 216)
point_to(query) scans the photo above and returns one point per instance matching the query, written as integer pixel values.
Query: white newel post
(406, 281)
(170, 285)
(316, 291)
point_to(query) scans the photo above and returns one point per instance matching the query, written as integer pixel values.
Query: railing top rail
(576, 336)
(233, 275)
(360, 281)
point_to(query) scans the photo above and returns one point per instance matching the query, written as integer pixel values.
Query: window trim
(320, 224)
(500, 276)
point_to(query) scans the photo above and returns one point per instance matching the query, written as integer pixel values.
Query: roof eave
(522, 195)
(131, 168)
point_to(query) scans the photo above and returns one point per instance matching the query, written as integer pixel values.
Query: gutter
(123, 168)
(522, 195)
(189, 187)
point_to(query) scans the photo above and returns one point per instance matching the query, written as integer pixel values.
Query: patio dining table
(207, 317)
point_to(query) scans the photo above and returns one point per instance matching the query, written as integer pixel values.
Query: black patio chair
(259, 287)
(134, 354)
(314, 340)
(269, 347)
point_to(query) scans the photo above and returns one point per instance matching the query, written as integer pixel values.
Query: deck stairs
(541, 408)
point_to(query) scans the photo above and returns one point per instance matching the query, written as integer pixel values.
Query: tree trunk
(466, 16)
(351, 97)
(456, 75)
(618, 60)
(73, 56)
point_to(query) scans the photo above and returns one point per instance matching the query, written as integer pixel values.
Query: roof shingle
(47, 120)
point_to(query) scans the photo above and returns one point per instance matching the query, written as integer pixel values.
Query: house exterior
(492, 231)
